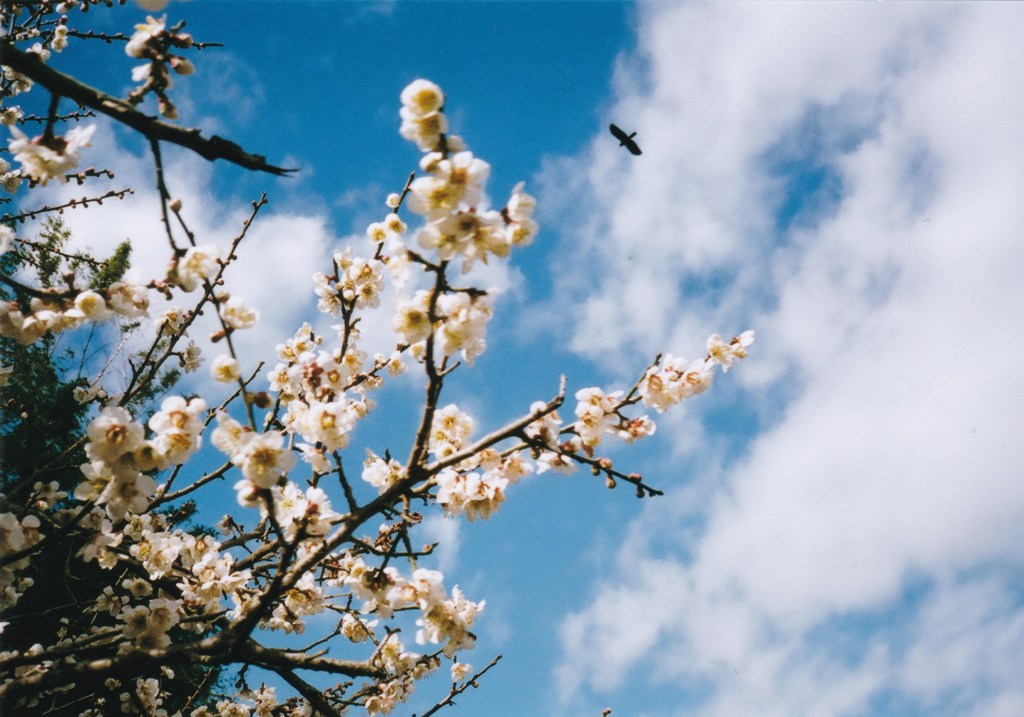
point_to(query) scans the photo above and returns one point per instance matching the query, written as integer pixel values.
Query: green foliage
(39, 410)
(48, 255)
(113, 269)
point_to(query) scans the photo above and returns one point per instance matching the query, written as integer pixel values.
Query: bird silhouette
(625, 140)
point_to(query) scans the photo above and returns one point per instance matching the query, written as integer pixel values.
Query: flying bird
(625, 140)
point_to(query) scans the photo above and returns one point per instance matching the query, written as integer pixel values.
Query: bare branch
(83, 202)
(211, 148)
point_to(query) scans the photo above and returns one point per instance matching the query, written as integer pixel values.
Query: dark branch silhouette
(625, 140)
(211, 148)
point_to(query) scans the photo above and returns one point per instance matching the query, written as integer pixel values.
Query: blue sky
(842, 527)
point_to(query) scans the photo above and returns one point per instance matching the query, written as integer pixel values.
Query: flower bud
(181, 65)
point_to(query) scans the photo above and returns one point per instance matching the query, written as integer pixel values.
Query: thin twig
(459, 689)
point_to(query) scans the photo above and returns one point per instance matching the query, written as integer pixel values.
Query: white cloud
(888, 313)
(445, 531)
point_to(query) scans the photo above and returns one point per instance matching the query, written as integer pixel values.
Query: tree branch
(211, 148)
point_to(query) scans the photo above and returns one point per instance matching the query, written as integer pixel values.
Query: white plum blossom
(112, 434)
(596, 414)
(294, 556)
(449, 431)
(356, 629)
(177, 427)
(97, 475)
(302, 342)
(520, 208)
(128, 300)
(144, 32)
(191, 358)
(382, 474)
(361, 280)
(237, 315)
(471, 235)
(12, 537)
(230, 436)
(119, 487)
(330, 295)
(157, 551)
(294, 510)
(452, 183)
(264, 458)
(59, 41)
(425, 130)
(44, 159)
(476, 494)
(198, 263)
(726, 354)
(181, 65)
(172, 319)
(426, 588)
(394, 224)
(147, 625)
(412, 318)
(422, 97)
(382, 591)
(327, 422)
(450, 620)
(465, 324)
(674, 380)
(317, 513)
(461, 670)
(359, 283)
(129, 491)
(376, 232)
(423, 122)
(213, 576)
(7, 238)
(635, 428)
(558, 459)
(225, 369)
(315, 457)
(547, 428)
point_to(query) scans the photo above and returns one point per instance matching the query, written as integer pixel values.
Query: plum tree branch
(212, 148)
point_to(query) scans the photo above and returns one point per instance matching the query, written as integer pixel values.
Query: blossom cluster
(458, 226)
(450, 194)
(16, 535)
(324, 392)
(53, 315)
(196, 265)
(45, 157)
(674, 378)
(356, 283)
(120, 455)
(443, 619)
(153, 41)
